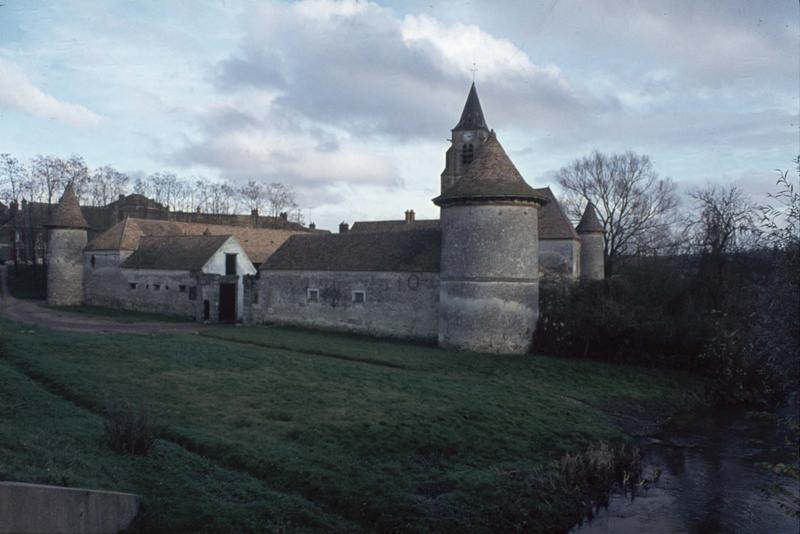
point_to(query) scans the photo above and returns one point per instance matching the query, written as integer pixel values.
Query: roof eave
(442, 200)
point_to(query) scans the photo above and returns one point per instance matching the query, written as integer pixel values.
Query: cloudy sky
(352, 103)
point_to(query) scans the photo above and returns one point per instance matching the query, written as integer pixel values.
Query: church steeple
(468, 135)
(472, 116)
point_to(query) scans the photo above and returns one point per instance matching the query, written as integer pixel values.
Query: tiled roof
(589, 221)
(67, 214)
(553, 222)
(472, 115)
(174, 253)
(490, 176)
(258, 243)
(415, 250)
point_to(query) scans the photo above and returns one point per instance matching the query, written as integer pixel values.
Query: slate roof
(553, 222)
(394, 226)
(491, 175)
(415, 250)
(589, 221)
(67, 214)
(258, 243)
(472, 115)
(174, 253)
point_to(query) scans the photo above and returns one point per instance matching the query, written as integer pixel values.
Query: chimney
(254, 217)
(344, 228)
(410, 216)
(284, 216)
(312, 226)
(198, 209)
(121, 196)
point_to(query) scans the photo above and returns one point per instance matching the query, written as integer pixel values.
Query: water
(709, 481)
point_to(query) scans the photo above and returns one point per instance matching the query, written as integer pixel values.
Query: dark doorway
(227, 302)
(206, 310)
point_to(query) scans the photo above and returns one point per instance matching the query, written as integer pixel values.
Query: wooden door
(227, 302)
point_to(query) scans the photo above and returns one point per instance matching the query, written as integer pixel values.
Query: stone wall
(396, 304)
(560, 257)
(109, 286)
(489, 284)
(65, 266)
(592, 256)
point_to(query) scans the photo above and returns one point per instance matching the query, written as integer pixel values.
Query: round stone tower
(590, 231)
(66, 241)
(489, 277)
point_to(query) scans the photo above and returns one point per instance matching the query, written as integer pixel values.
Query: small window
(182, 288)
(132, 285)
(93, 261)
(156, 287)
(313, 295)
(230, 264)
(193, 293)
(206, 310)
(359, 297)
(467, 154)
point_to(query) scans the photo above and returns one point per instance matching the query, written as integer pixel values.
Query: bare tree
(50, 172)
(76, 172)
(722, 219)
(636, 206)
(107, 184)
(12, 176)
(280, 199)
(253, 195)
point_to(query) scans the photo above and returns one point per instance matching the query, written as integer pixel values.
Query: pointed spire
(67, 213)
(472, 116)
(491, 176)
(589, 222)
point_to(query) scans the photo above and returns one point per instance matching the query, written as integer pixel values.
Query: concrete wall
(561, 257)
(65, 266)
(397, 304)
(592, 257)
(35, 508)
(489, 286)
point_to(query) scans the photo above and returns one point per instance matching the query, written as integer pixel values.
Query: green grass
(27, 281)
(123, 316)
(383, 435)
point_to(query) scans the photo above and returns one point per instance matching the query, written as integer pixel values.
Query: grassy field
(296, 429)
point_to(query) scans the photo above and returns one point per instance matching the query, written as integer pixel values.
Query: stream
(708, 479)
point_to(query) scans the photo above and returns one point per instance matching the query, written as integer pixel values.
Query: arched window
(467, 153)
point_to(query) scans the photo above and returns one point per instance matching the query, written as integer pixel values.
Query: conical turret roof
(67, 213)
(589, 222)
(490, 176)
(472, 116)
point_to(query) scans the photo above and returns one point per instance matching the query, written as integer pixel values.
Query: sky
(351, 103)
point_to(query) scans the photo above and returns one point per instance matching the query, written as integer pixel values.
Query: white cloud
(18, 92)
(464, 47)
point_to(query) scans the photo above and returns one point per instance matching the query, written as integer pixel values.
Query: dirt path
(32, 312)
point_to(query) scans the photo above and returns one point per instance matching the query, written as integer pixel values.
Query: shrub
(128, 429)
(616, 320)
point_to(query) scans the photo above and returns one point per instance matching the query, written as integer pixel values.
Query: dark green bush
(128, 429)
(613, 320)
